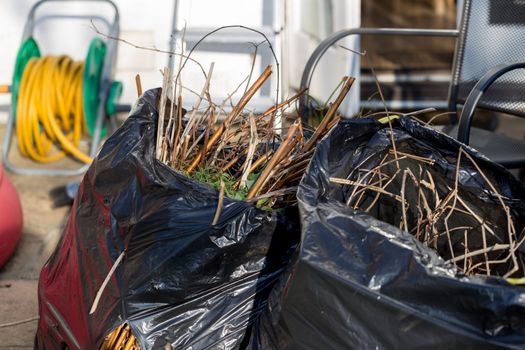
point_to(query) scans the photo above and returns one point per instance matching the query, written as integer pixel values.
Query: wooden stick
(484, 238)
(177, 130)
(361, 179)
(162, 109)
(493, 248)
(259, 161)
(233, 161)
(465, 244)
(130, 342)
(373, 188)
(333, 123)
(123, 336)
(193, 121)
(412, 156)
(261, 180)
(219, 205)
(105, 282)
(510, 225)
(138, 83)
(348, 81)
(233, 114)
(378, 194)
(113, 336)
(283, 163)
(254, 141)
(454, 202)
(207, 131)
(249, 94)
(282, 104)
(16, 323)
(185, 147)
(277, 193)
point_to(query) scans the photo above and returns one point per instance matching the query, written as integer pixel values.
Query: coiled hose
(49, 109)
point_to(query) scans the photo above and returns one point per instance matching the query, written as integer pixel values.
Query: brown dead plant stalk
(478, 236)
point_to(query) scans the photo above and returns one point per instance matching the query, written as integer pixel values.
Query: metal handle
(314, 59)
(28, 29)
(467, 114)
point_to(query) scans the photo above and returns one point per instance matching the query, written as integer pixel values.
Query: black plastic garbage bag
(359, 283)
(182, 281)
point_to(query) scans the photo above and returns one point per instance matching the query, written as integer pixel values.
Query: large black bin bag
(182, 280)
(360, 283)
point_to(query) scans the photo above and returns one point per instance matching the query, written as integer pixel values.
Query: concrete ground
(19, 277)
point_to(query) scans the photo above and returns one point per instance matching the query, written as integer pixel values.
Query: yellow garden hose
(49, 109)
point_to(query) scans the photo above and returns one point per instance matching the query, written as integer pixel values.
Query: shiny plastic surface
(182, 281)
(360, 283)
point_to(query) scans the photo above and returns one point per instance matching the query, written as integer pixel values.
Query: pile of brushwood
(246, 157)
(409, 190)
(243, 155)
(404, 231)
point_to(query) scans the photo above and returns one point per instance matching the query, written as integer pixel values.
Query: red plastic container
(10, 218)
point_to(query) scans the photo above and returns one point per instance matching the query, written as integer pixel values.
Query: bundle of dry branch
(241, 154)
(120, 338)
(410, 191)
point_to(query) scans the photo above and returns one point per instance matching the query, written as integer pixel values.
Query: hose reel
(56, 101)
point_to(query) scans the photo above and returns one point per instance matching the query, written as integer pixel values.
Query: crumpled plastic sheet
(182, 281)
(359, 283)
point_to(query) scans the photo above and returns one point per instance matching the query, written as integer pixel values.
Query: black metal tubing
(456, 63)
(467, 114)
(331, 40)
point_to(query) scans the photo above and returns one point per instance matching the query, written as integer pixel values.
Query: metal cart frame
(105, 85)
